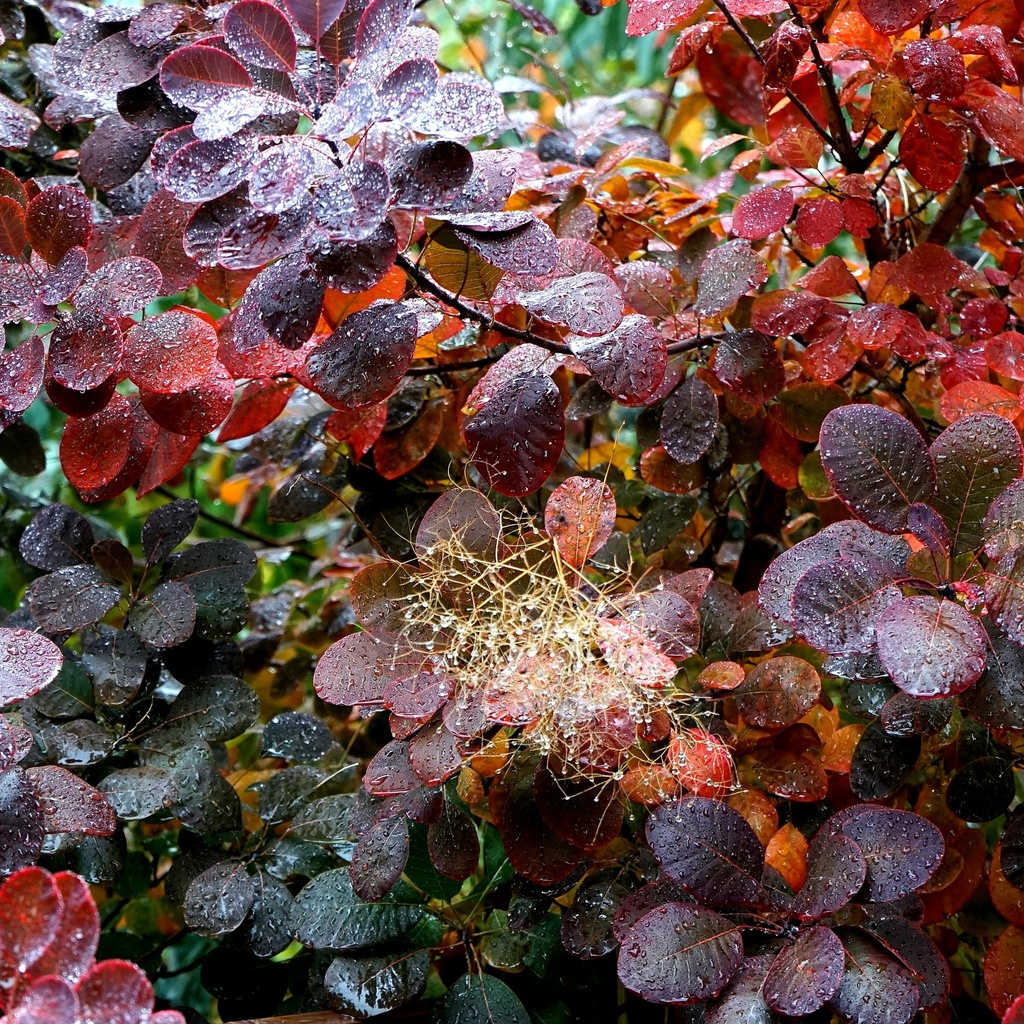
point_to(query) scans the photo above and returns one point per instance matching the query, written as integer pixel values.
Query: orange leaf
(1004, 969)
(787, 853)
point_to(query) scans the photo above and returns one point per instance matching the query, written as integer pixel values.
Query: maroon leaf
(170, 352)
(749, 364)
(587, 303)
(877, 464)
(364, 360)
(13, 235)
(893, 17)
(668, 620)
(85, 349)
(351, 205)
(935, 70)
(260, 34)
(836, 870)
(390, 772)
(583, 818)
(94, 449)
(283, 302)
(933, 151)
(514, 241)
(689, 420)
(579, 517)
(629, 363)
(463, 513)
(762, 212)
(875, 989)
(258, 405)
(21, 375)
(435, 753)
(807, 974)
(791, 775)
(69, 803)
(21, 826)
(931, 647)
(57, 220)
(657, 15)
(728, 272)
(205, 170)
(430, 175)
(358, 668)
(1003, 528)
(453, 843)
(778, 692)
(680, 953)
(28, 662)
(115, 989)
(379, 858)
(587, 926)
(710, 849)
(354, 267)
(315, 17)
(902, 849)
(72, 950)
(997, 699)
(742, 1002)
(1004, 591)
(113, 152)
(199, 76)
(913, 948)
(30, 913)
(516, 438)
(198, 409)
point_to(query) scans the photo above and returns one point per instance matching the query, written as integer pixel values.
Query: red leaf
(657, 15)
(28, 662)
(170, 455)
(973, 396)
(72, 951)
(69, 803)
(360, 428)
(701, 762)
(935, 70)
(934, 152)
(731, 79)
(819, 221)
(1005, 354)
(398, 451)
(198, 76)
(892, 17)
(30, 910)
(260, 34)
(170, 352)
(995, 115)
(196, 410)
(315, 17)
(579, 518)
(115, 990)
(94, 449)
(85, 349)
(629, 363)
(13, 234)
(259, 404)
(763, 212)
(57, 220)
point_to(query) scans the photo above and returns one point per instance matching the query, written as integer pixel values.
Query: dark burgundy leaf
(516, 439)
(904, 715)
(435, 753)
(453, 843)
(902, 849)
(728, 272)
(113, 152)
(417, 696)
(203, 170)
(881, 763)
(587, 926)
(875, 988)
(365, 358)
(791, 775)
(260, 34)
(281, 179)
(512, 241)
(913, 948)
(166, 527)
(807, 974)
(13, 236)
(982, 789)
(390, 772)
(62, 282)
(587, 303)
(749, 364)
(877, 463)
(929, 528)
(379, 858)
(742, 1002)
(354, 267)
(893, 17)
(689, 420)
(197, 410)
(56, 537)
(58, 219)
(680, 953)
(159, 238)
(668, 620)
(70, 804)
(350, 206)
(200, 76)
(778, 692)
(170, 352)
(21, 837)
(644, 900)
(836, 604)
(997, 699)
(369, 985)
(1012, 848)
(430, 175)
(629, 363)
(218, 900)
(72, 598)
(284, 301)
(166, 617)
(931, 647)
(710, 849)
(584, 818)
(1003, 528)
(85, 349)
(836, 870)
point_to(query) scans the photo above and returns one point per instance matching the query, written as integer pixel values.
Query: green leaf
(481, 999)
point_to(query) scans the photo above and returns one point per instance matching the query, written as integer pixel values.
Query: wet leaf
(836, 870)
(579, 517)
(727, 273)
(689, 420)
(875, 989)
(762, 212)
(629, 362)
(778, 692)
(219, 899)
(379, 858)
(57, 220)
(166, 617)
(982, 790)
(260, 34)
(28, 662)
(807, 974)
(69, 803)
(881, 763)
(481, 999)
(587, 926)
(372, 985)
(72, 598)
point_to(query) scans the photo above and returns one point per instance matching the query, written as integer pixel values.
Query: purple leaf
(315, 17)
(748, 364)
(28, 662)
(587, 303)
(260, 34)
(912, 946)
(807, 974)
(380, 857)
(742, 1002)
(727, 273)
(629, 362)
(875, 989)
(836, 870)
(689, 420)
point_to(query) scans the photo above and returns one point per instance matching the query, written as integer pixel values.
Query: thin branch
(973, 179)
(428, 284)
(469, 364)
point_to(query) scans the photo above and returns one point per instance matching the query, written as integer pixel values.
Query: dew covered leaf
(710, 849)
(931, 647)
(629, 362)
(380, 857)
(516, 439)
(1004, 591)
(85, 349)
(315, 17)
(911, 945)
(57, 220)
(327, 914)
(585, 820)
(216, 708)
(363, 361)
(166, 527)
(372, 985)
(836, 870)
(199, 76)
(137, 793)
(165, 617)
(689, 420)
(296, 737)
(1004, 523)
(115, 987)
(875, 988)
(350, 206)
(30, 913)
(881, 763)
(778, 692)
(72, 949)
(481, 999)
(587, 303)
(72, 598)
(453, 843)
(430, 175)
(807, 974)
(579, 517)
(69, 803)
(762, 212)
(728, 272)
(21, 375)
(877, 463)
(680, 953)
(21, 828)
(976, 459)
(902, 849)
(170, 352)
(260, 34)
(218, 900)
(28, 662)
(742, 1001)
(748, 364)
(587, 926)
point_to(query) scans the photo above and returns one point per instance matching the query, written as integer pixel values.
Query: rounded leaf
(807, 974)
(689, 420)
(579, 517)
(28, 662)
(778, 692)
